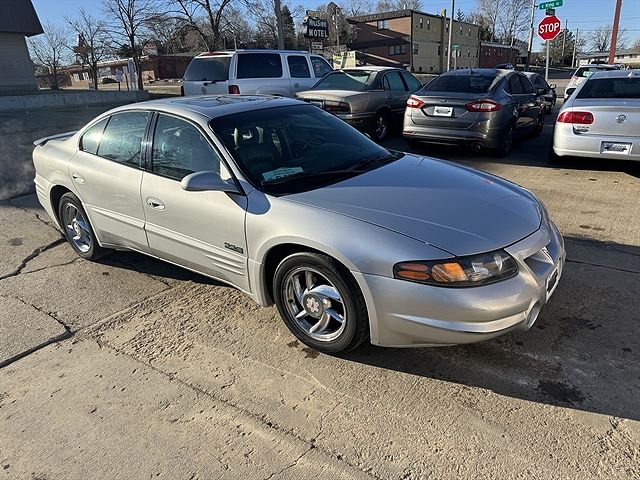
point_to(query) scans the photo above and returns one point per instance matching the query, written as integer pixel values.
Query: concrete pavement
(132, 368)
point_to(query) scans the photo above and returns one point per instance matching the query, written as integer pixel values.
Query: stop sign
(549, 27)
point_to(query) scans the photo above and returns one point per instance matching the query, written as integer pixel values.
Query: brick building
(414, 40)
(492, 54)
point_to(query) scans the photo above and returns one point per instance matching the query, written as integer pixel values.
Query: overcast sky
(583, 14)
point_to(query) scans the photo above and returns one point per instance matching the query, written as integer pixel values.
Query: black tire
(537, 131)
(356, 324)
(89, 250)
(506, 143)
(380, 128)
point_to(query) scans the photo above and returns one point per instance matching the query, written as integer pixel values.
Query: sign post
(548, 29)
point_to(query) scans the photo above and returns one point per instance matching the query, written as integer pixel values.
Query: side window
(320, 66)
(180, 149)
(259, 65)
(122, 138)
(298, 66)
(514, 85)
(91, 138)
(412, 82)
(526, 84)
(393, 82)
(540, 82)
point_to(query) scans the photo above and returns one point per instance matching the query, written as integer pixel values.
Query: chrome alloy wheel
(77, 227)
(381, 127)
(314, 304)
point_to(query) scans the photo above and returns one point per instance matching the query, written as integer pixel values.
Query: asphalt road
(131, 368)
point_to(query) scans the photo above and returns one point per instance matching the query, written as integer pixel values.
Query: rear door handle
(77, 177)
(155, 203)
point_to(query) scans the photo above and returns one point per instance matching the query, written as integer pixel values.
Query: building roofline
(372, 17)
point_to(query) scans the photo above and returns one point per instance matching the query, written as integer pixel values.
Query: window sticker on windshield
(280, 173)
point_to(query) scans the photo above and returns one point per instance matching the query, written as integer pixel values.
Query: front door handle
(77, 177)
(155, 203)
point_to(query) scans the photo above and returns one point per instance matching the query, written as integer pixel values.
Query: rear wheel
(537, 131)
(320, 302)
(506, 142)
(380, 128)
(77, 229)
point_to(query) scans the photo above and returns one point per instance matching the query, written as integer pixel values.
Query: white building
(629, 58)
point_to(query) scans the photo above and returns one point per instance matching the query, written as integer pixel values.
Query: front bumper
(567, 143)
(406, 314)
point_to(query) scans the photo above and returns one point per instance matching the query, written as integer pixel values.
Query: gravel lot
(132, 368)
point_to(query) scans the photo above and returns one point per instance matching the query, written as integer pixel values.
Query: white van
(269, 72)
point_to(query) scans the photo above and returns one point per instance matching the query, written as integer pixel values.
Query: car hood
(454, 208)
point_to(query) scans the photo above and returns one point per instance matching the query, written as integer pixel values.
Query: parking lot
(133, 368)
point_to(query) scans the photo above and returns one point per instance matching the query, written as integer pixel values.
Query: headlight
(459, 272)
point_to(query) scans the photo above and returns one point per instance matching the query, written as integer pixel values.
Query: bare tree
(128, 23)
(354, 8)
(92, 41)
(513, 19)
(206, 17)
(600, 38)
(490, 9)
(51, 49)
(635, 46)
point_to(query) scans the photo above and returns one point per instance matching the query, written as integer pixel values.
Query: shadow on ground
(582, 352)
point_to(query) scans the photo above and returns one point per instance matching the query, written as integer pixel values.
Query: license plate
(614, 147)
(443, 111)
(552, 281)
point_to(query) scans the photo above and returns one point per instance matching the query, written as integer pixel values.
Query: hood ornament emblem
(621, 118)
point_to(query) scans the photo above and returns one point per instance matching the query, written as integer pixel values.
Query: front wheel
(537, 131)
(77, 229)
(320, 302)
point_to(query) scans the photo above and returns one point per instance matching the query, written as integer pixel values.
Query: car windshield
(296, 148)
(586, 72)
(352, 80)
(625, 87)
(456, 83)
(208, 69)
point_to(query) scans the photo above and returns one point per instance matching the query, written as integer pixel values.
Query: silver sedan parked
(601, 119)
(371, 99)
(480, 108)
(294, 207)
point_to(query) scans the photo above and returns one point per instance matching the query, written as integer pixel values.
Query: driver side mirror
(552, 86)
(541, 91)
(569, 91)
(207, 181)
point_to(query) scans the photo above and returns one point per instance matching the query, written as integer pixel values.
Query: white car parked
(581, 74)
(250, 72)
(601, 119)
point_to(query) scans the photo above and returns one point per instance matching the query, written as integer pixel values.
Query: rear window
(586, 72)
(611, 88)
(472, 83)
(259, 65)
(354, 80)
(208, 69)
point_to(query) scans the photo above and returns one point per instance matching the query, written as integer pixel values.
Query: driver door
(200, 230)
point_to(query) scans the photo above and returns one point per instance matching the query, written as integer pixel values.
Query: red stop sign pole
(548, 29)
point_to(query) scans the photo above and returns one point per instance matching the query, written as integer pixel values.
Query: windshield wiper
(298, 175)
(371, 161)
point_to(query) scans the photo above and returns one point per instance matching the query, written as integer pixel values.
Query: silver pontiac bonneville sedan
(291, 205)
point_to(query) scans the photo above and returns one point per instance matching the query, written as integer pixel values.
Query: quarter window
(179, 149)
(298, 66)
(259, 65)
(91, 138)
(514, 85)
(412, 82)
(122, 137)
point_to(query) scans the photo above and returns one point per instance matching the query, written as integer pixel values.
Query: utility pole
(564, 38)
(453, 5)
(335, 19)
(614, 32)
(533, 14)
(279, 25)
(574, 60)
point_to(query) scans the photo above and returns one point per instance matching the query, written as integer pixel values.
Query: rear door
(208, 74)
(396, 92)
(203, 231)
(299, 73)
(531, 103)
(520, 104)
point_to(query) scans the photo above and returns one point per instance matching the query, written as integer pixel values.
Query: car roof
(601, 66)
(372, 68)
(247, 50)
(213, 106)
(616, 74)
(479, 71)
(530, 74)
